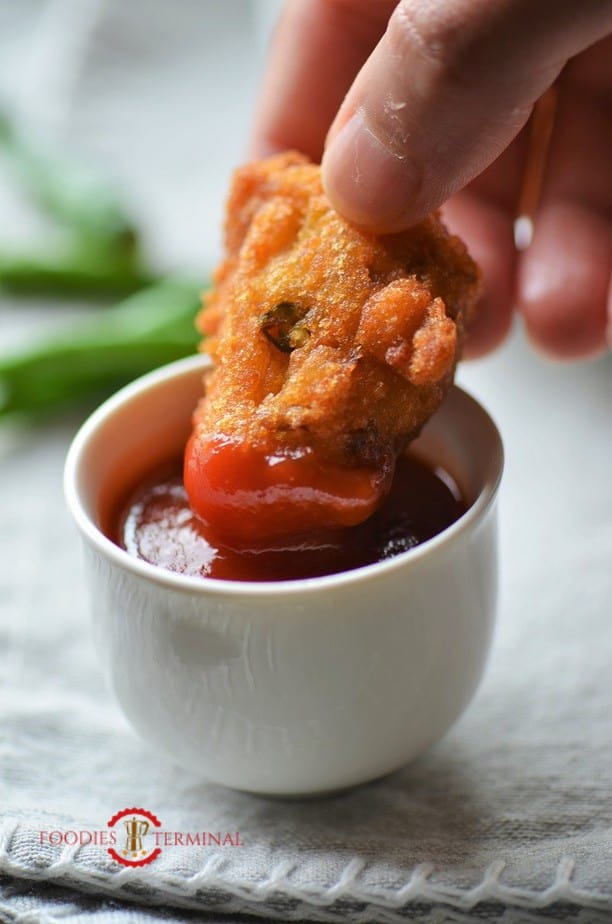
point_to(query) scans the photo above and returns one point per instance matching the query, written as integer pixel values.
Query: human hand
(437, 97)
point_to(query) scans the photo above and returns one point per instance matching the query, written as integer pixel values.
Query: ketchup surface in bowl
(155, 523)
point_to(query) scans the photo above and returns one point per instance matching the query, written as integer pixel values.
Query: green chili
(70, 192)
(70, 274)
(153, 327)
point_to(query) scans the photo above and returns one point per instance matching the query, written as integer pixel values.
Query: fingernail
(366, 182)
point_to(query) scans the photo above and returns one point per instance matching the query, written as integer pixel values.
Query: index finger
(317, 49)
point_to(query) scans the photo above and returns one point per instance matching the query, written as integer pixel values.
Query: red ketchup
(247, 496)
(155, 521)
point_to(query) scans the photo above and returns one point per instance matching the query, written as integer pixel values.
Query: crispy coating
(325, 336)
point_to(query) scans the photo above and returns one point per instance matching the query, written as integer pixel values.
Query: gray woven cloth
(509, 818)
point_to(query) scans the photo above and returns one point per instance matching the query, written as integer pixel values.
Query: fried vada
(332, 347)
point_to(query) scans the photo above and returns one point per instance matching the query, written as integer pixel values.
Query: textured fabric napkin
(509, 818)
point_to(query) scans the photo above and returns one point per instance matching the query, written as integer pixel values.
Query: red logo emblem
(137, 849)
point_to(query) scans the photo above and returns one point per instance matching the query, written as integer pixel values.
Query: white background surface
(518, 795)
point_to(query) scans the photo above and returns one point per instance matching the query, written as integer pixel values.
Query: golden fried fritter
(323, 335)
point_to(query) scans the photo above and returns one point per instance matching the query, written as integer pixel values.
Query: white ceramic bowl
(295, 687)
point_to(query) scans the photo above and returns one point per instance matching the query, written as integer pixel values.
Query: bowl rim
(204, 586)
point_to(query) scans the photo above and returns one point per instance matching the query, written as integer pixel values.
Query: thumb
(445, 91)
